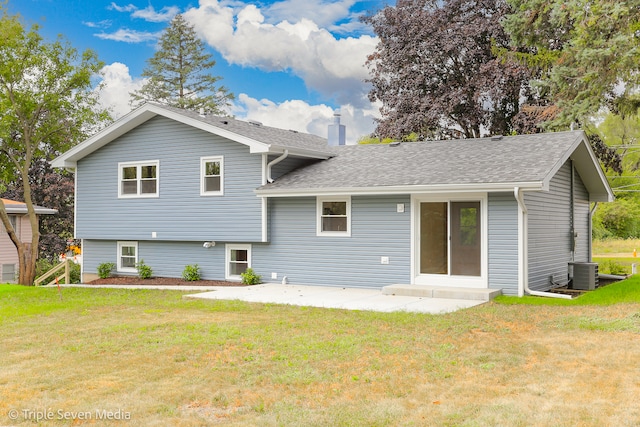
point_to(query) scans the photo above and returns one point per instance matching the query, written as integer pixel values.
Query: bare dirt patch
(164, 281)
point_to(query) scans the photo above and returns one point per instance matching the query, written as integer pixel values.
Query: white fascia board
(300, 152)
(137, 117)
(405, 189)
(588, 166)
(118, 128)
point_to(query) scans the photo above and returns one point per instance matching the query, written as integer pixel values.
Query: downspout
(591, 212)
(523, 280)
(274, 162)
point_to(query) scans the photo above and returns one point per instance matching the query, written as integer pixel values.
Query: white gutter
(523, 267)
(274, 162)
(591, 212)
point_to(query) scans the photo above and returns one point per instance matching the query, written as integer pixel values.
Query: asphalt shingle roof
(258, 132)
(523, 158)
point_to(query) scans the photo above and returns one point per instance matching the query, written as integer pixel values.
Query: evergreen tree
(178, 75)
(586, 54)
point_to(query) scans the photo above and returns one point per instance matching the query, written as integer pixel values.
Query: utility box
(584, 275)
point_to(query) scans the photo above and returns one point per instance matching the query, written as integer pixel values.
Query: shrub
(609, 266)
(191, 273)
(74, 272)
(249, 277)
(105, 269)
(144, 271)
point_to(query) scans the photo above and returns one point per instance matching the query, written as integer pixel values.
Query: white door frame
(447, 279)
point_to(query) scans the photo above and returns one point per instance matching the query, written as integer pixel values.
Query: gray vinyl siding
(166, 259)
(503, 242)
(581, 209)
(297, 252)
(180, 213)
(550, 248)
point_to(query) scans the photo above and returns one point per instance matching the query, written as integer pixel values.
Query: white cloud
(116, 84)
(303, 117)
(127, 8)
(333, 67)
(149, 13)
(128, 36)
(106, 23)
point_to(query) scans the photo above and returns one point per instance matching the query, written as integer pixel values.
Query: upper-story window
(211, 176)
(334, 216)
(139, 179)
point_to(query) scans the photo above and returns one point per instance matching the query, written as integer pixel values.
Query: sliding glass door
(450, 238)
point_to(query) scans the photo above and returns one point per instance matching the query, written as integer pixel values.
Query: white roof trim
(137, 117)
(588, 167)
(404, 189)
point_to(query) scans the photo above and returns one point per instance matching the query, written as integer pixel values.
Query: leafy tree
(435, 71)
(53, 189)
(178, 75)
(48, 104)
(585, 54)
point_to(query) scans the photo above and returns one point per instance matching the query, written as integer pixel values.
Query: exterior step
(441, 292)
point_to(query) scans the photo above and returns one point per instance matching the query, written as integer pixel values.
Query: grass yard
(152, 358)
(615, 256)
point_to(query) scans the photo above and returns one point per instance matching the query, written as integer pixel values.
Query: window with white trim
(334, 216)
(127, 257)
(211, 176)
(138, 179)
(8, 273)
(238, 259)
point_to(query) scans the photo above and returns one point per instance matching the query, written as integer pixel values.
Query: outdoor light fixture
(208, 244)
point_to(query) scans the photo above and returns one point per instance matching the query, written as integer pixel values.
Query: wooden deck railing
(66, 275)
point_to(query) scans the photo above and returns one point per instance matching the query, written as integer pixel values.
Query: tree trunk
(27, 263)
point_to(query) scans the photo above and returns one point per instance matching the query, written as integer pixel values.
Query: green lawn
(154, 358)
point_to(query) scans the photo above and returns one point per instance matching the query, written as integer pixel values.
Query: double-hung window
(138, 179)
(334, 216)
(211, 177)
(238, 259)
(127, 257)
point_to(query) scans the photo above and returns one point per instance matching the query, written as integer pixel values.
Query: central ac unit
(585, 275)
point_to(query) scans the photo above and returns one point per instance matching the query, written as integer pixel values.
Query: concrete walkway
(314, 296)
(335, 297)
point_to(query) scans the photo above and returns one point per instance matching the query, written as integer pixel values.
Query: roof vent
(201, 112)
(224, 122)
(497, 137)
(294, 131)
(394, 144)
(255, 123)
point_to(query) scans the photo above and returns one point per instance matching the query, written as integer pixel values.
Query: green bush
(191, 273)
(144, 271)
(612, 267)
(105, 269)
(43, 266)
(249, 277)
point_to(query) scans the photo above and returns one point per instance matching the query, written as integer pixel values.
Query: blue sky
(290, 63)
